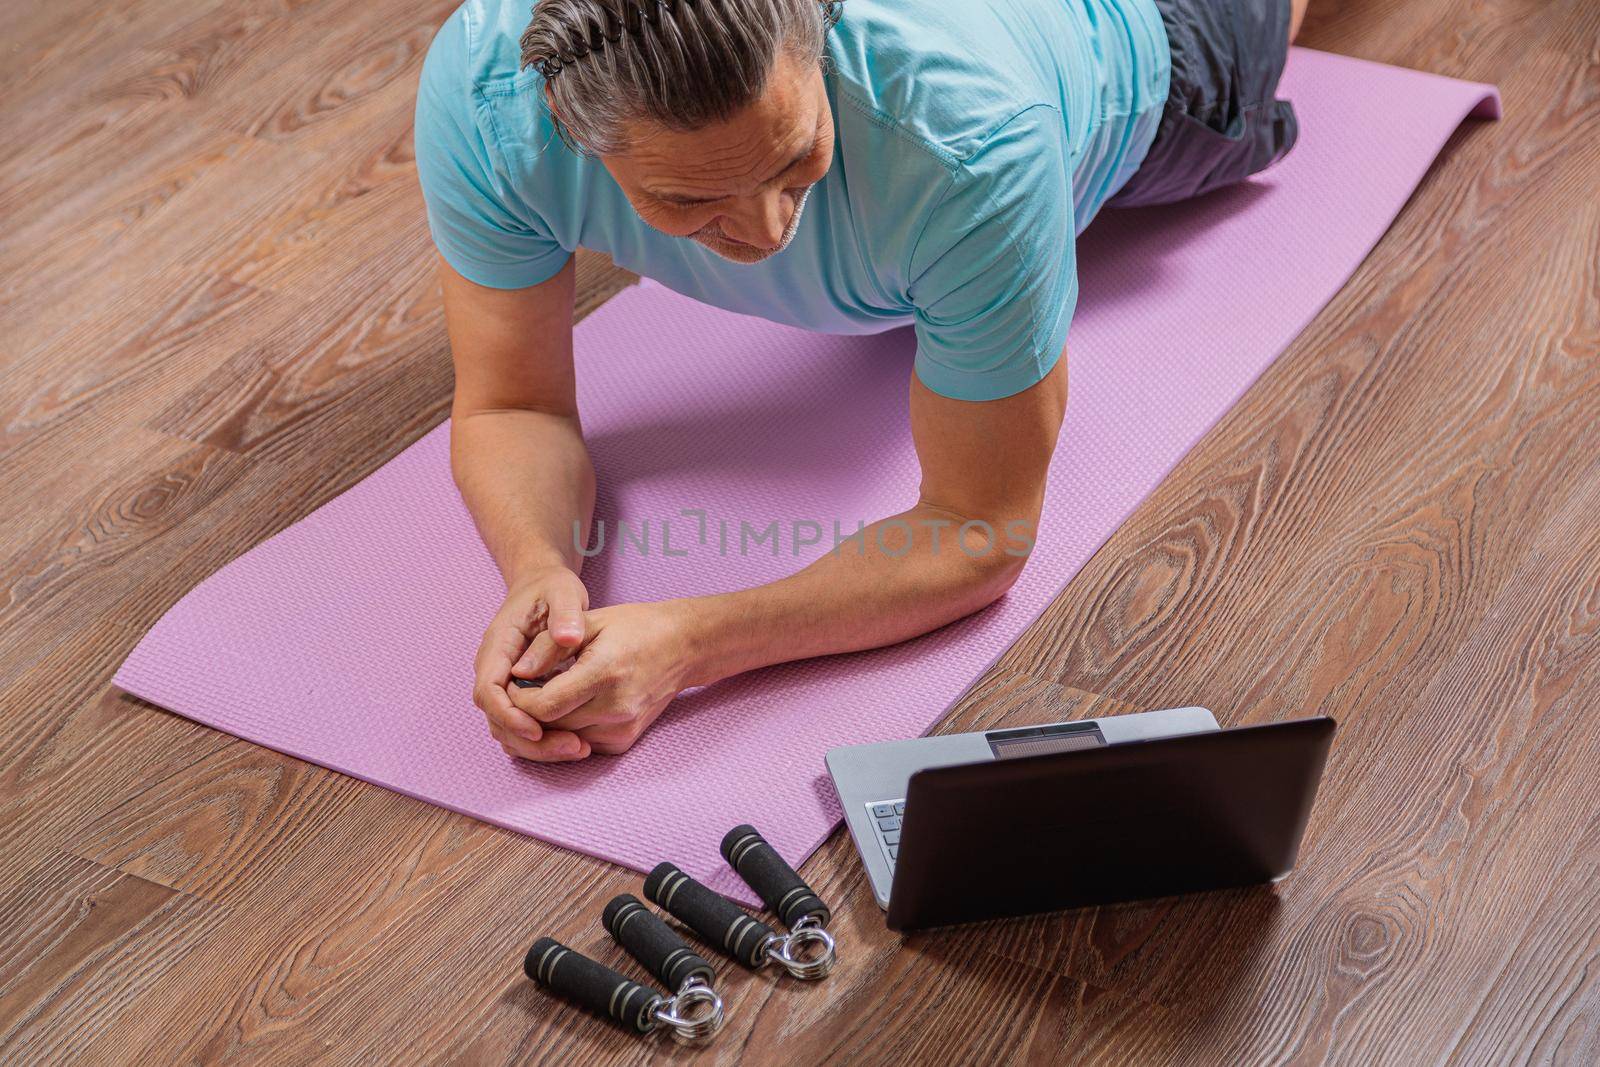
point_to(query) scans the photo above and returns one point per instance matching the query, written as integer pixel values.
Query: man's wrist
(718, 636)
(535, 563)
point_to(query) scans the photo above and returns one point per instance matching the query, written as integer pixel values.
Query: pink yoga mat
(348, 638)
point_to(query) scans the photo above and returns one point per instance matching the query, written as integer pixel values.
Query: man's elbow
(460, 453)
(997, 552)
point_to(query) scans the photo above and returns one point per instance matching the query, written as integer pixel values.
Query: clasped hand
(627, 662)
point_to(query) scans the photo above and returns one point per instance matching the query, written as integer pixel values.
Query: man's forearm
(901, 577)
(526, 477)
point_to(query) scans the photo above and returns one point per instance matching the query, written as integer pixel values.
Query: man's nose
(761, 220)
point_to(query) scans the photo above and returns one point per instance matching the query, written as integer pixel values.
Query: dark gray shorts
(1222, 121)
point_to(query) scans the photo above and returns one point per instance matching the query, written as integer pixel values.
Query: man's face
(737, 187)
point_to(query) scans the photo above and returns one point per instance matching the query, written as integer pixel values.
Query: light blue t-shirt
(974, 141)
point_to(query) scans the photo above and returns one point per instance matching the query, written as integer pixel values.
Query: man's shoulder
(478, 48)
(473, 94)
(946, 76)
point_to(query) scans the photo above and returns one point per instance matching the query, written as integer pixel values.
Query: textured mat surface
(348, 639)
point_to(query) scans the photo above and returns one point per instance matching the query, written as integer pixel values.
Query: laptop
(963, 827)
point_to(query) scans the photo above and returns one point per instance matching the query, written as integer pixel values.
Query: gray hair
(682, 64)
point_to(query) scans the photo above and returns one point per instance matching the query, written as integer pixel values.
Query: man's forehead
(744, 168)
(736, 156)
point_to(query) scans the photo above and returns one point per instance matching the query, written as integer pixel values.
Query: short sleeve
(994, 275)
(473, 226)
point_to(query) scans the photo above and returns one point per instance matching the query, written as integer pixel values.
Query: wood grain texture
(81, 943)
(218, 307)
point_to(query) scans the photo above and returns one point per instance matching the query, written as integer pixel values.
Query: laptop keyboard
(886, 816)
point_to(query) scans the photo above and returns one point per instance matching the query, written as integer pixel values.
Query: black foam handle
(653, 943)
(717, 921)
(759, 864)
(594, 985)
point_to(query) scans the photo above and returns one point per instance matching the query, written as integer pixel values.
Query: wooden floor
(218, 312)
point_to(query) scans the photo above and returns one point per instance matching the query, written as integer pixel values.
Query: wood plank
(120, 509)
(1540, 1006)
(65, 764)
(241, 819)
(78, 943)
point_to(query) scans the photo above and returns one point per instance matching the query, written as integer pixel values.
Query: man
(841, 166)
